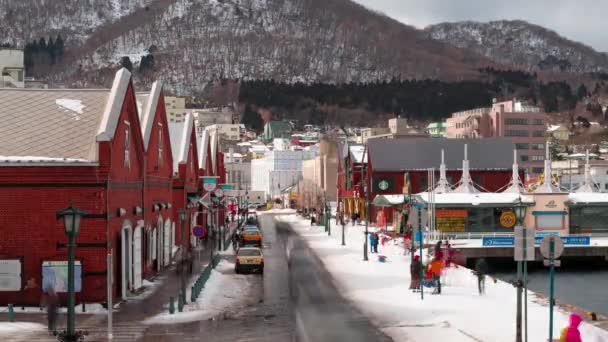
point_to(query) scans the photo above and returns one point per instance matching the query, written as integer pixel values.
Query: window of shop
(589, 219)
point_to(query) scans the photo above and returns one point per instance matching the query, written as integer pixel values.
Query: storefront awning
(482, 199)
(389, 200)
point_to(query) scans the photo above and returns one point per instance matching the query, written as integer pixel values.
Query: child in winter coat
(571, 333)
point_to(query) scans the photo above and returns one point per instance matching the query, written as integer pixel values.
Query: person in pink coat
(571, 333)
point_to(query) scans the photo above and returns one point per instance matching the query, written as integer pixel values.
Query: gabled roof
(146, 107)
(424, 153)
(179, 133)
(55, 124)
(357, 153)
(113, 107)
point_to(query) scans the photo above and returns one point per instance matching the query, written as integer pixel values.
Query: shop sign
(385, 185)
(451, 220)
(507, 219)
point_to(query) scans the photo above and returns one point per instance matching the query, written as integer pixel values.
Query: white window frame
(160, 145)
(127, 162)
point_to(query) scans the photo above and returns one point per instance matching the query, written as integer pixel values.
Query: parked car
(249, 259)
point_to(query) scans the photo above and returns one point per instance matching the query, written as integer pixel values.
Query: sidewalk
(128, 316)
(459, 314)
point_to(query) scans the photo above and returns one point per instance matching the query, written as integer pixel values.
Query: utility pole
(365, 192)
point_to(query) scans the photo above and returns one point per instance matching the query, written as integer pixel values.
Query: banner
(209, 183)
(55, 275)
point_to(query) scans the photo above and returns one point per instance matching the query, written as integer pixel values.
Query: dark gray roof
(423, 153)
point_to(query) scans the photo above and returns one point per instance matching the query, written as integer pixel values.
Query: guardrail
(197, 288)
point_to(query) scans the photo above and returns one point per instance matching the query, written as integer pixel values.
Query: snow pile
(25, 159)
(381, 291)
(224, 290)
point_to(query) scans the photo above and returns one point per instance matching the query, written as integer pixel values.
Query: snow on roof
(38, 159)
(179, 133)
(588, 197)
(109, 120)
(258, 148)
(53, 123)
(244, 143)
(554, 128)
(202, 143)
(482, 198)
(389, 199)
(357, 152)
(146, 106)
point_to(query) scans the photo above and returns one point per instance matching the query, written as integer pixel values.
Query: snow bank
(381, 291)
(224, 290)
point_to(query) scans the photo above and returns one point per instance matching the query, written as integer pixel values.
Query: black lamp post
(71, 221)
(520, 214)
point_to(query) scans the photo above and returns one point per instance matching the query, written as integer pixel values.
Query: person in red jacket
(571, 333)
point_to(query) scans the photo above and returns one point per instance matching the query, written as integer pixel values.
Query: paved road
(295, 301)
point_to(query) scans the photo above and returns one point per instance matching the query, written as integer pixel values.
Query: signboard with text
(209, 183)
(10, 275)
(509, 241)
(55, 275)
(451, 220)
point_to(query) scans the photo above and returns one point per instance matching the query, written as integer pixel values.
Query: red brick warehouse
(89, 147)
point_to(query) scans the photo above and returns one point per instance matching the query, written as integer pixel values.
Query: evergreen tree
(59, 48)
(50, 48)
(125, 62)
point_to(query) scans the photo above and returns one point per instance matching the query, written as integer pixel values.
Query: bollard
(11, 313)
(171, 305)
(180, 303)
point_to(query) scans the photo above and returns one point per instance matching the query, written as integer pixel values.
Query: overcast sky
(585, 21)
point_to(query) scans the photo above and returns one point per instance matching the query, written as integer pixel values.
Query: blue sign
(498, 241)
(576, 240)
(543, 234)
(418, 235)
(508, 241)
(198, 231)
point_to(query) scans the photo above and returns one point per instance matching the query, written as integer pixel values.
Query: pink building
(524, 124)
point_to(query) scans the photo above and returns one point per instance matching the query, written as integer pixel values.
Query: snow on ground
(23, 328)
(381, 291)
(224, 290)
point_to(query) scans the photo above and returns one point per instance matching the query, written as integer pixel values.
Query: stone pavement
(128, 318)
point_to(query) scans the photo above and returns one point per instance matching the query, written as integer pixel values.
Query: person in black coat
(481, 269)
(415, 267)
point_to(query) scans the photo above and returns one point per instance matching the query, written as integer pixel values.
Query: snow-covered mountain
(522, 44)
(197, 40)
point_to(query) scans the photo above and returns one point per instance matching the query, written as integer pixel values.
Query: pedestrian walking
(353, 218)
(371, 242)
(571, 333)
(436, 267)
(51, 301)
(481, 269)
(376, 241)
(415, 267)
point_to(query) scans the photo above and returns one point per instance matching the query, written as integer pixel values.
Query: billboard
(451, 220)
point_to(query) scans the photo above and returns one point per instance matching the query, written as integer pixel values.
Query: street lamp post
(342, 222)
(71, 221)
(420, 241)
(328, 218)
(182, 217)
(520, 213)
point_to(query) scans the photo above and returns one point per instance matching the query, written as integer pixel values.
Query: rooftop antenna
(443, 186)
(466, 184)
(516, 185)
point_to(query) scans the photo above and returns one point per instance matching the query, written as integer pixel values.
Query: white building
(278, 170)
(229, 132)
(12, 70)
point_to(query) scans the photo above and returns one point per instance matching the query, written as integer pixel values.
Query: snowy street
(380, 291)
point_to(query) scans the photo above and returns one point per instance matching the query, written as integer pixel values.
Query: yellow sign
(293, 196)
(507, 219)
(451, 220)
